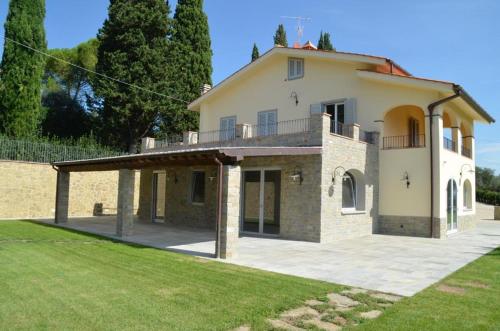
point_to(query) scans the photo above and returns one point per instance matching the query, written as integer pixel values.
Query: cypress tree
(255, 52)
(327, 44)
(22, 69)
(190, 63)
(133, 48)
(280, 36)
(321, 41)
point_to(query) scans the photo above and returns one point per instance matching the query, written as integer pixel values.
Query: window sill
(352, 212)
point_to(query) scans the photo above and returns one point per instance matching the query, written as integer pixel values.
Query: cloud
(488, 148)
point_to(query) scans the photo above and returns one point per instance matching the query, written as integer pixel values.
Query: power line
(95, 72)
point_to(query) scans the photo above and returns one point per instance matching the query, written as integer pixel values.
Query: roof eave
(473, 104)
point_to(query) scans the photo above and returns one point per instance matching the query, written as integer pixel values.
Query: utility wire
(95, 72)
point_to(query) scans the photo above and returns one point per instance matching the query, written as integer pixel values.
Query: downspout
(431, 108)
(220, 183)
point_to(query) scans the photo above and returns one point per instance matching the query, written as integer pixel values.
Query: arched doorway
(404, 127)
(451, 206)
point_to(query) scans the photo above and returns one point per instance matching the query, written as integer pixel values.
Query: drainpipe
(431, 108)
(220, 176)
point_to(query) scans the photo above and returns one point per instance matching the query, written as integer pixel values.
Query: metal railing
(449, 144)
(174, 140)
(340, 128)
(467, 152)
(407, 141)
(41, 152)
(216, 136)
(280, 128)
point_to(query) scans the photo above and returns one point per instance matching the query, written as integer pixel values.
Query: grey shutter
(223, 129)
(316, 108)
(350, 112)
(272, 120)
(231, 127)
(262, 119)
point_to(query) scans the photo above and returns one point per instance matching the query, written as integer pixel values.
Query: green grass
(431, 309)
(57, 279)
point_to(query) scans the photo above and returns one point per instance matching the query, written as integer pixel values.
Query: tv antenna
(300, 25)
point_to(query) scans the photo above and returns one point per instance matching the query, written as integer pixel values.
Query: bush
(488, 197)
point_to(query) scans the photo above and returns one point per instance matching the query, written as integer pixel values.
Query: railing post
(355, 131)
(147, 143)
(190, 138)
(242, 131)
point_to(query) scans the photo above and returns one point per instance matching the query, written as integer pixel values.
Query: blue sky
(456, 40)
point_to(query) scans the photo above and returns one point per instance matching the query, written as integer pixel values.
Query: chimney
(205, 88)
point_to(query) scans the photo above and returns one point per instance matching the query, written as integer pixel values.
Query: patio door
(451, 206)
(261, 201)
(159, 187)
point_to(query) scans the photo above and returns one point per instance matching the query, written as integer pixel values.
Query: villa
(307, 145)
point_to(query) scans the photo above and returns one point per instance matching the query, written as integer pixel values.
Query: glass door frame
(451, 211)
(262, 171)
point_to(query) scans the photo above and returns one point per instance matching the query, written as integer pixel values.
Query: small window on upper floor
(295, 68)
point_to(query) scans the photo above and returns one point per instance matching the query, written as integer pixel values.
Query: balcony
(449, 144)
(347, 130)
(403, 142)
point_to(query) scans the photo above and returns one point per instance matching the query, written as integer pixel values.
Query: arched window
(348, 191)
(467, 194)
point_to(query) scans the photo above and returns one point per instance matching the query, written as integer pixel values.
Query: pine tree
(321, 41)
(133, 48)
(255, 52)
(22, 69)
(327, 44)
(190, 63)
(280, 36)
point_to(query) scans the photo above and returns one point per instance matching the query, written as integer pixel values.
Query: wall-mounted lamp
(212, 177)
(297, 175)
(295, 96)
(173, 176)
(406, 178)
(471, 170)
(336, 171)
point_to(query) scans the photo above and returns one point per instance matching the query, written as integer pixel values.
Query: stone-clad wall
(300, 203)
(342, 154)
(28, 190)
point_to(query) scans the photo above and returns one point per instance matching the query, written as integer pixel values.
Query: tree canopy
(22, 69)
(255, 52)
(280, 36)
(133, 48)
(324, 42)
(190, 63)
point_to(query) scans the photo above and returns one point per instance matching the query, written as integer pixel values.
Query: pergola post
(62, 197)
(125, 213)
(230, 216)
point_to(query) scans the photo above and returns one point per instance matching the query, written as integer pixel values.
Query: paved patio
(400, 265)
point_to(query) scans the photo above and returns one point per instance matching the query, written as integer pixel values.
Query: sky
(455, 40)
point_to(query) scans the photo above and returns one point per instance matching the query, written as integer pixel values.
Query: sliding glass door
(261, 201)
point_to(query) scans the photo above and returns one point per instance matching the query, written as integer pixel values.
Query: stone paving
(391, 264)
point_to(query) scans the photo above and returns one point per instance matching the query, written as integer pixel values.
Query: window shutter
(262, 117)
(316, 108)
(350, 111)
(272, 119)
(291, 68)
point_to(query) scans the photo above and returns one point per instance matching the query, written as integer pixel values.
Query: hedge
(488, 197)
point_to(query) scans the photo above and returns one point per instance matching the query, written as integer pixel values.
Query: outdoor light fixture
(335, 173)
(297, 175)
(295, 96)
(406, 178)
(471, 171)
(213, 177)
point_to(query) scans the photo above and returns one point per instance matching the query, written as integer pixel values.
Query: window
(348, 191)
(267, 123)
(467, 195)
(337, 113)
(227, 128)
(198, 187)
(295, 68)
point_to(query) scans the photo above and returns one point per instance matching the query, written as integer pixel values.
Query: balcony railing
(279, 128)
(466, 152)
(216, 136)
(449, 144)
(367, 137)
(340, 128)
(407, 141)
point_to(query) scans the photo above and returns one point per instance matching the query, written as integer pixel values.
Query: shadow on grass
(121, 241)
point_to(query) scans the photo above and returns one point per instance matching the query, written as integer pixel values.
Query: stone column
(355, 131)
(125, 215)
(190, 138)
(146, 196)
(230, 223)
(62, 197)
(147, 143)
(457, 138)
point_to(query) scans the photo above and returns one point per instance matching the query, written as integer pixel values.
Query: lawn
(469, 299)
(57, 279)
